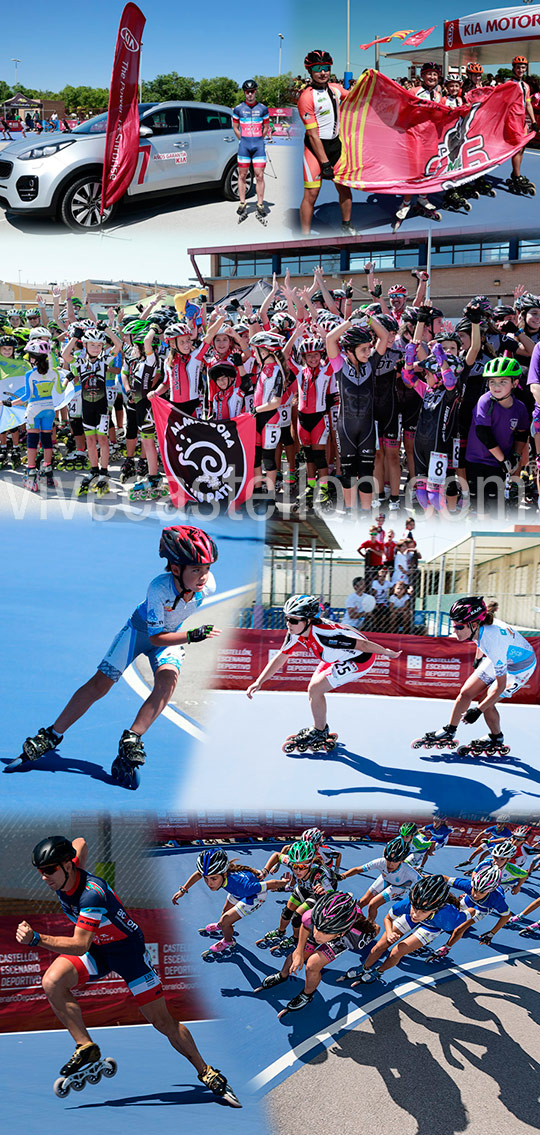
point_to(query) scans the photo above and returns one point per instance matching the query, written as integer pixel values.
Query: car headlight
(47, 151)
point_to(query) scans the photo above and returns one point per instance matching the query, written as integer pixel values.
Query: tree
(168, 87)
(221, 90)
(5, 91)
(274, 91)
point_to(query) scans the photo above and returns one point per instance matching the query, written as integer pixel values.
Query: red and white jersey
(226, 404)
(287, 399)
(319, 109)
(329, 642)
(183, 374)
(269, 384)
(452, 104)
(427, 96)
(314, 387)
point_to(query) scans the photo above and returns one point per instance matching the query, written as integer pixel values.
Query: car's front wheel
(81, 202)
(230, 183)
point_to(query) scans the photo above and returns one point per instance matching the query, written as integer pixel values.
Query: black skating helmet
(53, 851)
(317, 57)
(397, 850)
(430, 893)
(469, 609)
(335, 913)
(250, 85)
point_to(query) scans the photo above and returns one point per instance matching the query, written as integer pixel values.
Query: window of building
(529, 250)
(521, 576)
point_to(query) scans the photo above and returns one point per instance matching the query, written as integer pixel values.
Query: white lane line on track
(136, 683)
(263, 1079)
(105, 1028)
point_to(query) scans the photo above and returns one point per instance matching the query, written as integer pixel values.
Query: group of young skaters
(360, 395)
(505, 661)
(321, 920)
(319, 109)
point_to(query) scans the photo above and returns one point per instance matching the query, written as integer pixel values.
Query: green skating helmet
(502, 368)
(301, 853)
(407, 831)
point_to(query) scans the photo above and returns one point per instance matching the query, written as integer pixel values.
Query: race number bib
(455, 453)
(272, 436)
(438, 464)
(348, 666)
(285, 414)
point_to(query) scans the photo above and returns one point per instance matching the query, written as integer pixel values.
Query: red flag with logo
(205, 461)
(122, 140)
(393, 142)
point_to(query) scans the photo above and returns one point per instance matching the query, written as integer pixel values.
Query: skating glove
(6, 402)
(327, 171)
(474, 313)
(510, 464)
(376, 291)
(424, 313)
(198, 634)
(472, 714)
(410, 354)
(439, 354)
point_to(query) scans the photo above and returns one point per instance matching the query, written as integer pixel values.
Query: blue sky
(74, 43)
(314, 26)
(70, 43)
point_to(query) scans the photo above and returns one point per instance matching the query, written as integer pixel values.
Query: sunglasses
(49, 870)
(460, 626)
(320, 67)
(292, 620)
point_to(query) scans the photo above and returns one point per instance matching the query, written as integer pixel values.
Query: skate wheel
(79, 1086)
(59, 1089)
(467, 206)
(282, 1013)
(289, 747)
(110, 1067)
(16, 764)
(94, 1078)
(208, 955)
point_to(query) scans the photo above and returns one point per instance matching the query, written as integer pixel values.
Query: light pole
(15, 61)
(281, 38)
(348, 73)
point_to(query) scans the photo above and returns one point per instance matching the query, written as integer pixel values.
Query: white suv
(183, 146)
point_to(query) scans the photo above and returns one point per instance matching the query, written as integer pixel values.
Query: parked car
(183, 146)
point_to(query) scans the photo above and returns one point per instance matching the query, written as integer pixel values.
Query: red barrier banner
(426, 668)
(24, 1006)
(205, 461)
(122, 139)
(393, 142)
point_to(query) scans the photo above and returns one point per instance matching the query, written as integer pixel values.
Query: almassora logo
(128, 38)
(457, 150)
(207, 458)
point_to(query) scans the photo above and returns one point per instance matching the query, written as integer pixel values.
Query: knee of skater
(101, 684)
(49, 985)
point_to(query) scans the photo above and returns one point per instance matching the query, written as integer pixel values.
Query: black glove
(475, 314)
(349, 291)
(424, 313)
(476, 663)
(472, 714)
(376, 291)
(246, 385)
(6, 402)
(198, 634)
(486, 939)
(509, 326)
(510, 464)
(327, 171)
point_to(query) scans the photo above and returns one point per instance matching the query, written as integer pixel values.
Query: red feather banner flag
(393, 142)
(122, 139)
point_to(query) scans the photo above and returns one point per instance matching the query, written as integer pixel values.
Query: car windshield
(98, 125)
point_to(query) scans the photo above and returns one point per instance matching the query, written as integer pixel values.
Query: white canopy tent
(491, 38)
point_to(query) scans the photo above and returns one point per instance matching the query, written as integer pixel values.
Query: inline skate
(86, 1066)
(444, 738)
(131, 755)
